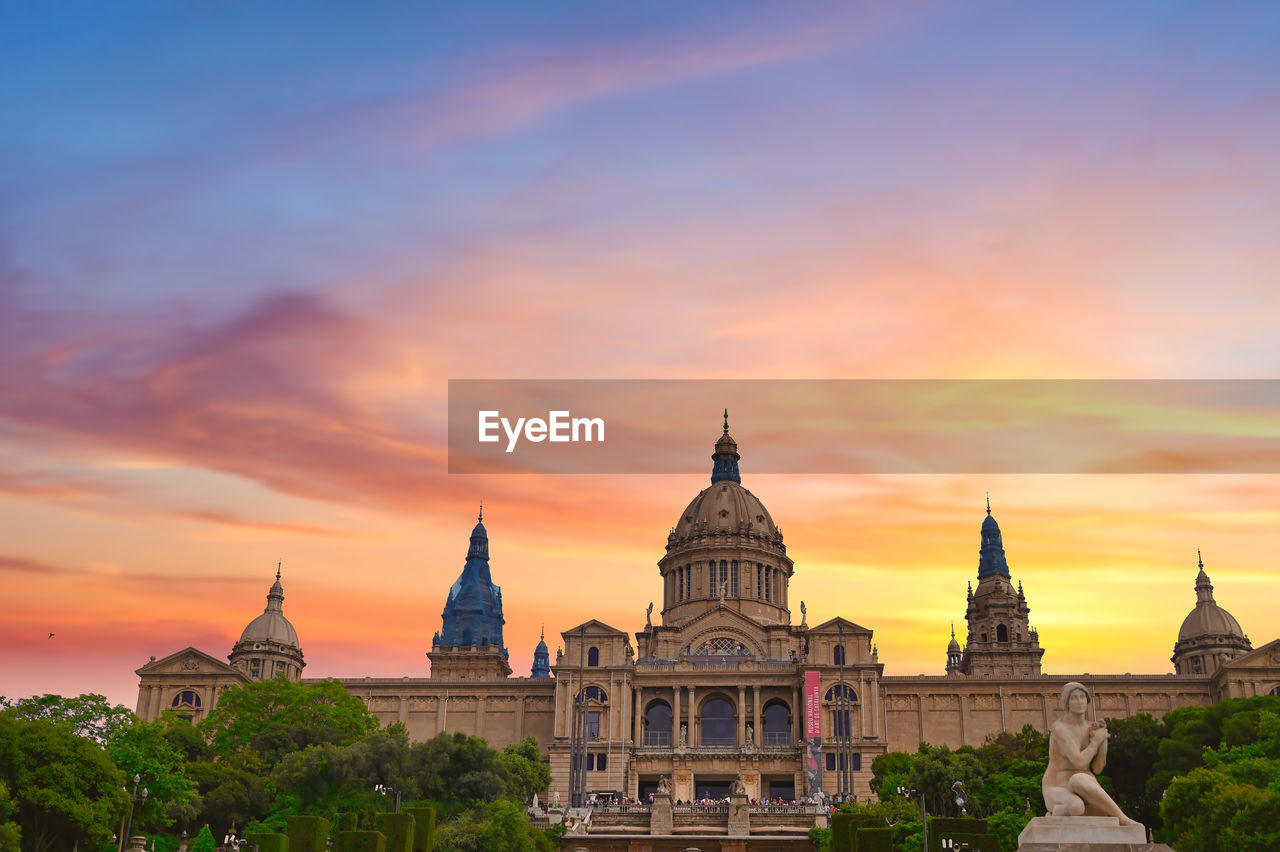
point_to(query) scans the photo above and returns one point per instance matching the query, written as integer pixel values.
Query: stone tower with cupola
(469, 643)
(269, 646)
(1000, 642)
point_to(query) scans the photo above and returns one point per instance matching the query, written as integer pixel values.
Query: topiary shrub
(267, 841)
(950, 828)
(424, 828)
(843, 826)
(307, 833)
(398, 829)
(873, 840)
(359, 841)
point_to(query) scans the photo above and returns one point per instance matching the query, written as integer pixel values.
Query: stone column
(520, 731)
(157, 692)
(797, 715)
(755, 701)
(404, 710)
(694, 739)
(742, 714)
(675, 715)
(442, 714)
(480, 716)
(639, 718)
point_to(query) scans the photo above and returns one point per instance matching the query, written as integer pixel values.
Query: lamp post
(924, 815)
(134, 799)
(387, 790)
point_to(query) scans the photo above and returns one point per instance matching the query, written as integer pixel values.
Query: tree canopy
(255, 725)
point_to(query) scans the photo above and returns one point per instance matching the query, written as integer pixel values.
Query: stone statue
(737, 787)
(648, 618)
(1077, 753)
(804, 617)
(724, 590)
(684, 735)
(751, 734)
(555, 801)
(664, 785)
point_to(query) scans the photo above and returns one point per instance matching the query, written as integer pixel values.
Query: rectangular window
(768, 591)
(855, 760)
(593, 725)
(759, 580)
(733, 579)
(831, 762)
(680, 583)
(601, 761)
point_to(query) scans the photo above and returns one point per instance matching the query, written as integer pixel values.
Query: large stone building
(724, 681)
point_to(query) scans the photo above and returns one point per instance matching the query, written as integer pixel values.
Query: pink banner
(813, 705)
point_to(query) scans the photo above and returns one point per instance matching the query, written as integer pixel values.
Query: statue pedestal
(1082, 834)
(661, 818)
(739, 816)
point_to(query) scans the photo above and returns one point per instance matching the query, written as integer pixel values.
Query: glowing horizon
(242, 252)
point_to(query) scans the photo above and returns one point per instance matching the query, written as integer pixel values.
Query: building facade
(722, 682)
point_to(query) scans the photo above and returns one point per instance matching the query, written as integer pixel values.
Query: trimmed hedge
(307, 833)
(267, 841)
(873, 840)
(424, 828)
(843, 827)
(977, 842)
(398, 829)
(941, 828)
(346, 821)
(359, 841)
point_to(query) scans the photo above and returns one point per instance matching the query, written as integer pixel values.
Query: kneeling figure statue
(1077, 753)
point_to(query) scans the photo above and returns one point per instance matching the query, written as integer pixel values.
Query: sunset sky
(244, 248)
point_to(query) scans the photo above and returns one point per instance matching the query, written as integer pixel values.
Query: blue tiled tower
(541, 658)
(472, 628)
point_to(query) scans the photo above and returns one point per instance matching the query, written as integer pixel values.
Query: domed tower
(269, 645)
(1000, 642)
(954, 655)
(1210, 636)
(541, 658)
(469, 644)
(725, 546)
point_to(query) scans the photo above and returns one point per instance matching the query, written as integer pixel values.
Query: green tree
(203, 841)
(257, 724)
(1232, 803)
(10, 833)
(89, 715)
(227, 796)
(457, 767)
(524, 771)
(143, 749)
(65, 788)
(330, 779)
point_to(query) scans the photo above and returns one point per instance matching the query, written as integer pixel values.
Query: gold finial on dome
(726, 421)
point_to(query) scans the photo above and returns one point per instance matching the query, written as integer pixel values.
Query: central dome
(725, 507)
(1208, 619)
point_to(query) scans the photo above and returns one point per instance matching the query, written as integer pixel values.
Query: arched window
(186, 698)
(837, 656)
(467, 637)
(595, 693)
(842, 690)
(776, 720)
(657, 724)
(186, 704)
(593, 656)
(1275, 691)
(1002, 633)
(718, 723)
